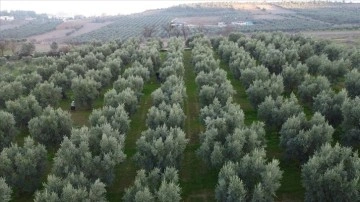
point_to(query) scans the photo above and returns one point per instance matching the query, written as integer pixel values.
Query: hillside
(183, 20)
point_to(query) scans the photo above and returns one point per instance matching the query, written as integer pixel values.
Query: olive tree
(333, 51)
(126, 97)
(47, 94)
(115, 66)
(219, 145)
(274, 60)
(102, 76)
(5, 191)
(135, 83)
(260, 89)
(137, 70)
(170, 115)
(352, 83)
(249, 75)
(222, 92)
(300, 138)
(94, 151)
(51, 126)
(276, 111)
(252, 178)
(117, 117)
(22, 167)
(61, 80)
(24, 109)
(161, 147)
(154, 185)
(332, 174)
(239, 61)
(293, 76)
(7, 129)
(85, 90)
(329, 104)
(311, 86)
(335, 70)
(46, 71)
(73, 187)
(10, 91)
(314, 64)
(351, 120)
(29, 81)
(218, 76)
(171, 91)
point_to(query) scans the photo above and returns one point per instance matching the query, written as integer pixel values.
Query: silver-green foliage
(7, 129)
(51, 126)
(102, 76)
(170, 115)
(135, 83)
(24, 109)
(293, 76)
(301, 138)
(329, 104)
(161, 147)
(154, 185)
(311, 86)
(94, 151)
(5, 191)
(22, 167)
(10, 91)
(172, 66)
(332, 174)
(276, 111)
(73, 187)
(352, 83)
(351, 114)
(249, 75)
(274, 60)
(220, 145)
(85, 90)
(29, 80)
(217, 76)
(222, 92)
(137, 70)
(335, 70)
(260, 89)
(172, 91)
(126, 97)
(117, 117)
(239, 61)
(252, 178)
(47, 94)
(61, 80)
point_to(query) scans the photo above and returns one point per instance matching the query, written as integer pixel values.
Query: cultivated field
(231, 117)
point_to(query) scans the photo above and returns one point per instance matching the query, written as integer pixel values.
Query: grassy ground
(291, 189)
(196, 179)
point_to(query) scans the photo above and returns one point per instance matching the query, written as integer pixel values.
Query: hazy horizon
(88, 8)
(97, 8)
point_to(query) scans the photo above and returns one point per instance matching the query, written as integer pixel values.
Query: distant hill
(209, 18)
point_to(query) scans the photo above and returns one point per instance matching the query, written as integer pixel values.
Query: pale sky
(88, 8)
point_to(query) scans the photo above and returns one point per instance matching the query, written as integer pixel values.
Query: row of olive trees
(227, 143)
(86, 159)
(102, 144)
(76, 174)
(160, 147)
(301, 138)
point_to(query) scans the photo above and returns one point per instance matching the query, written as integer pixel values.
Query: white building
(7, 18)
